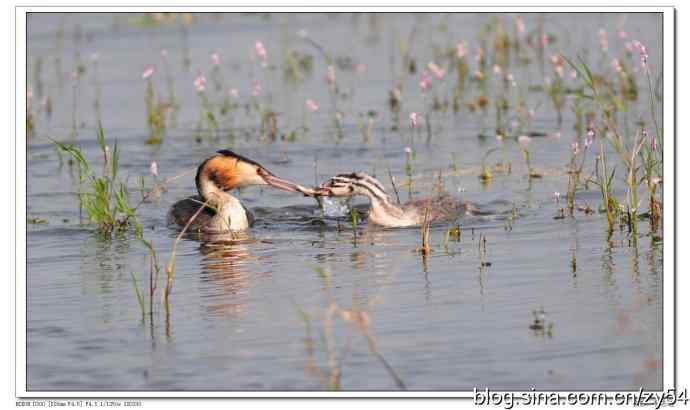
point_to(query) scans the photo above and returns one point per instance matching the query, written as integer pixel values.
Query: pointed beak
(285, 185)
(281, 183)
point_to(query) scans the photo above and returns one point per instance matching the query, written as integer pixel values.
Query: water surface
(444, 322)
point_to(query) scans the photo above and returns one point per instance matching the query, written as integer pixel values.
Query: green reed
(155, 114)
(633, 151)
(105, 197)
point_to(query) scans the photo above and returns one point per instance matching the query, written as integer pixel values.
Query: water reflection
(607, 262)
(224, 267)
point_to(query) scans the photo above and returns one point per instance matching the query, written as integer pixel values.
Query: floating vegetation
(539, 325)
(36, 221)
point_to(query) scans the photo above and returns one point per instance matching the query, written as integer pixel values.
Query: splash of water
(334, 207)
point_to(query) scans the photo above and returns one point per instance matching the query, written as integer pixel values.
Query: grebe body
(384, 211)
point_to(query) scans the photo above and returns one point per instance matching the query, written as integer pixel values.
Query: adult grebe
(218, 174)
(386, 213)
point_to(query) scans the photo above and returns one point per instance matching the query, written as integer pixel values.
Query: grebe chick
(217, 175)
(384, 211)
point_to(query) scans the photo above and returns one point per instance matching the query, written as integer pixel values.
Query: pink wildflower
(461, 49)
(261, 52)
(558, 63)
(644, 56)
(311, 105)
(200, 82)
(425, 82)
(520, 24)
(215, 58)
(154, 168)
(544, 40)
(652, 141)
(330, 77)
(603, 40)
(413, 120)
(148, 72)
(437, 71)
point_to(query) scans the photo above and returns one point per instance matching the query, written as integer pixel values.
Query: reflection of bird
(224, 266)
(383, 211)
(218, 174)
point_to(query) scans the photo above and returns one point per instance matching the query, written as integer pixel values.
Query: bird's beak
(281, 183)
(285, 185)
(324, 191)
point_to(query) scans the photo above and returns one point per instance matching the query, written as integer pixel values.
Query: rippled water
(236, 312)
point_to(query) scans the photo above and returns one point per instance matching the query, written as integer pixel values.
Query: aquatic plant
(105, 197)
(410, 156)
(155, 114)
(140, 297)
(462, 69)
(354, 221)
(575, 171)
(524, 141)
(29, 112)
(97, 86)
(628, 149)
(171, 99)
(555, 87)
(426, 233)
(76, 76)
(206, 115)
(216, 75)
(425, 84)
(605, 182)
(359, 320)
(485, 175)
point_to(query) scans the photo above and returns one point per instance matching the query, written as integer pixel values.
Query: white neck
(386, 214)
(230, 214)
